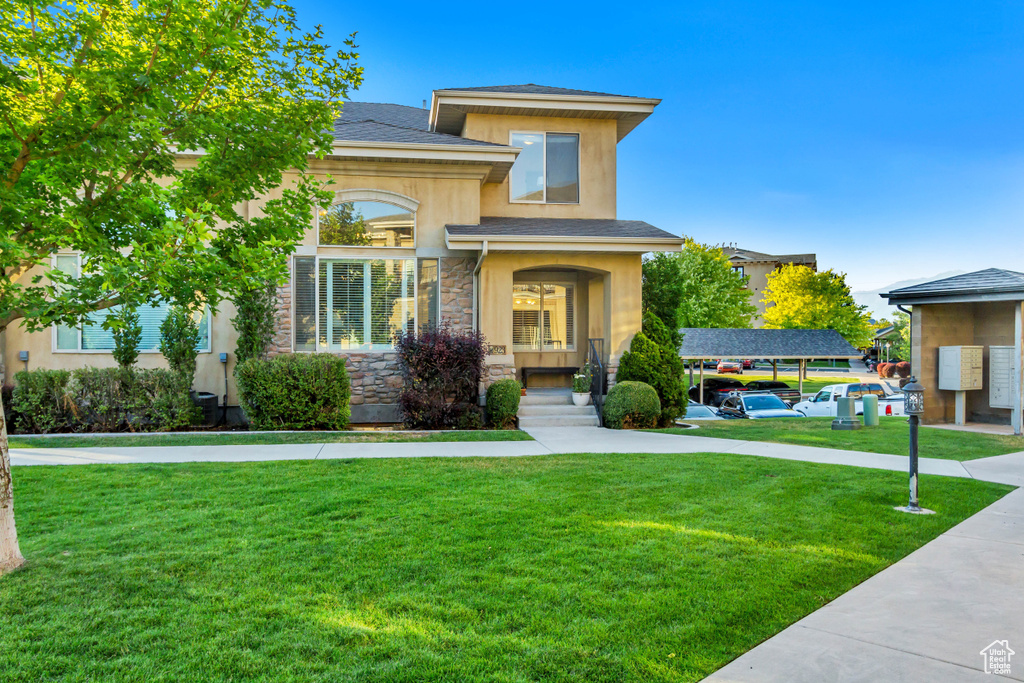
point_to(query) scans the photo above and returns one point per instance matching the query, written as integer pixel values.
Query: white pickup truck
(826, 401)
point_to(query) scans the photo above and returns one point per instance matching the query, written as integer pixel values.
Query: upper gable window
(367, 224)
(547, 171)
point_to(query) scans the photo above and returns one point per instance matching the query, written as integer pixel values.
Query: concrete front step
(547, 410)
(560, 421)
(546, 399)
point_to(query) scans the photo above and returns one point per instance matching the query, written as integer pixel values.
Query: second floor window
(367, 224)
(547, 170)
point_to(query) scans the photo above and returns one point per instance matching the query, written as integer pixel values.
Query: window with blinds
(304, 296)
(543, 317)
(359, 304)
(90, 335)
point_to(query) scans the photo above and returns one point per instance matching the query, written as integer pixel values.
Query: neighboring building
(757, 265)
(975, 309)
(494, 210)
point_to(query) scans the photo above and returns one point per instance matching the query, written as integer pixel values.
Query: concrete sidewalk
(925, 618)
(548, 440)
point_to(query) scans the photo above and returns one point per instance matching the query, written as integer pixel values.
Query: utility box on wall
(960, 368)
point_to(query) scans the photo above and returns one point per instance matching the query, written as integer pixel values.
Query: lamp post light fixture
(913, 406)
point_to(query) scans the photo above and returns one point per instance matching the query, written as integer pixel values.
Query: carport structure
(701, 343)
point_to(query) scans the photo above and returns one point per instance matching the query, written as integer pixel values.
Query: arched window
(367, 223)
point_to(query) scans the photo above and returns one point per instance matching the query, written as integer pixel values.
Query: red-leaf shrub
(887, 370)
(442, 370)
(903, 369)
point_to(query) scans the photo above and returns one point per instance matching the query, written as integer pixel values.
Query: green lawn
(811, 385)
(557, 568)
(891, 436)
(247, 439)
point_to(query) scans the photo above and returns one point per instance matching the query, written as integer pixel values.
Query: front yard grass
(265, 438)
(890, 436)
(558, 568)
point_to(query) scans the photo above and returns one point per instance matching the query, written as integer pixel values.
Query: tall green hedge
(295, 391)
(631, 405)
(503, 403)
(654, 359)
(101, 400)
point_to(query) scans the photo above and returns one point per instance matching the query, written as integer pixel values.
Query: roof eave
(896, 299)
(553, 243)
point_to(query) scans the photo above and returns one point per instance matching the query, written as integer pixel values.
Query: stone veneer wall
(376, 377)
(456, 275)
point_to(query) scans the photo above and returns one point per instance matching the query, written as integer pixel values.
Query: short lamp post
(914, 407)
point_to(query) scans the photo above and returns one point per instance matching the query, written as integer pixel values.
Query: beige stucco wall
(758, 274)
(978, 324)
(597, 165)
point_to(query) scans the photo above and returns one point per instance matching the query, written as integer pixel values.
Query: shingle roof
(977, 284)
(374, 122)
(533, 89)
(748, 255)
(705, 342)
(499, 226)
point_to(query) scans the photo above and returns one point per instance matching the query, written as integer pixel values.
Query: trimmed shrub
(887, 370)
(295, 391)
(880, 369)
(503, 403)
(117, 400)
(179, 339)
(101, 399)
(442, 370)
(41, 402)
(632, 405)
(254, 321)
(7, 397)
(127, 334)
(653, 359)
(903, 369)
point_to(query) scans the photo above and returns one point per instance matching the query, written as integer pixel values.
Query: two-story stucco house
(493, 209)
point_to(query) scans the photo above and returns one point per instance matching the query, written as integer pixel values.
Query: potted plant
(581, 387)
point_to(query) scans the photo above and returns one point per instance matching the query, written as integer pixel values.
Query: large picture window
(547, 170)
(367, 224)
(359, 304)
(90, 335)
(543, 317)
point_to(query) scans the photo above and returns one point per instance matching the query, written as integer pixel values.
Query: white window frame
(544, 167)
(519, 348)
(351, 259)
(53, 328)
(369, 195)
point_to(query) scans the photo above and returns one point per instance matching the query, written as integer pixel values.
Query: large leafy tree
(135, 132)
(797, 297)
(713, 294)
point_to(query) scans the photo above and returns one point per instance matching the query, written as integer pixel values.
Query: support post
(775, 369)
(700, 390)
(912, 506)
(800, 380)
(1017, 417)
(960, 413)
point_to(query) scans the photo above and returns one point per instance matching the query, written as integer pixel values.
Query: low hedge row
(101, 400)
(295, 391)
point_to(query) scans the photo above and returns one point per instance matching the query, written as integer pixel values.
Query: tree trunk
(10, 554)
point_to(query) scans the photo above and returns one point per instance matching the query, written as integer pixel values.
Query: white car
(825, 403)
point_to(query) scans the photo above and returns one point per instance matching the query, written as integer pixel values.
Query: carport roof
(706, 342)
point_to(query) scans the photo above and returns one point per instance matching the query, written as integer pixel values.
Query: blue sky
(885, 137)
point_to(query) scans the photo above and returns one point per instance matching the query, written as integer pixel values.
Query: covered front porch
(552, 294)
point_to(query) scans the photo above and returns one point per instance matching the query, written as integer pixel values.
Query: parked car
(725, 366)
(696, 411)
(825, 402)
(787, 393)
(755, 405)
(748, 363)
(716, 389)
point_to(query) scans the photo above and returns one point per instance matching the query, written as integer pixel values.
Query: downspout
(476, 285)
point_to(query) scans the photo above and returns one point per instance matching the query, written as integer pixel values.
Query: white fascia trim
(524, 243)
(622, 105)
(408, 150)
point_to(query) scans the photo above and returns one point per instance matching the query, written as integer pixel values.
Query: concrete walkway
(925, 618)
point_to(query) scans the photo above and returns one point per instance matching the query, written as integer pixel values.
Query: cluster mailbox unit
(960, 370)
